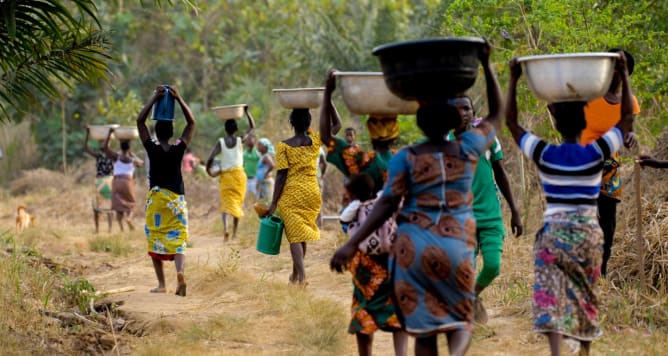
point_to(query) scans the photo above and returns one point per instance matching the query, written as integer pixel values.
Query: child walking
(372, 306)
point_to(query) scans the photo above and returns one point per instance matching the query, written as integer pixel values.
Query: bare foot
(292, 279)
(303, 284)
(159, 290)
(130, 224)
(227, 237)
(181, 289)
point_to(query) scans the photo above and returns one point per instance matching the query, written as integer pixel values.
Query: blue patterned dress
(432, 257)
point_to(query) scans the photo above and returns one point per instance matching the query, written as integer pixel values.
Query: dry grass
(117, 245)
(26, 288)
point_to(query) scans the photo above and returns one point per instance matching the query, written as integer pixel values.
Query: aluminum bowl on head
(430, 68)
(100, 132)
(126, 132)
(300, 98)
(569, 77)
(366, 93)
(229, 112)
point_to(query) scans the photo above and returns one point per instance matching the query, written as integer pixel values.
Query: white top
(231, 157)
(122, 168)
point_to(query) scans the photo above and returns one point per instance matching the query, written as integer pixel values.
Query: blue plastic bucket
(163, 109)
(270, 235)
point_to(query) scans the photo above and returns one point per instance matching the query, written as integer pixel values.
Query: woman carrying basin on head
(296, 197)
(122, 186)
(103, 180)
(232, 180)
(372, 306)
(432, 257)
(568, 248)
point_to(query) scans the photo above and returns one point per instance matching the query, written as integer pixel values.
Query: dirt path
(150, 312)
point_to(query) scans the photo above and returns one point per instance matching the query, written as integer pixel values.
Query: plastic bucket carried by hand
(270, 234)
(163, 109)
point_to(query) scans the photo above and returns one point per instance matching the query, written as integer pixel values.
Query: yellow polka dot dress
(300, 201)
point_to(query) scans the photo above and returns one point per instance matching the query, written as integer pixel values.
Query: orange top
(602, 116)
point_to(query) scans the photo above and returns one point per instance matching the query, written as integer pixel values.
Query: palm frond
(45, 44)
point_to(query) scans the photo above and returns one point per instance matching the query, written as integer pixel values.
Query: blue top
(262, 169)
(438, 185)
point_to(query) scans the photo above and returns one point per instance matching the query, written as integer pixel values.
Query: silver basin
(300, 98)
(569, 77)
(366, 93)
(229, 111)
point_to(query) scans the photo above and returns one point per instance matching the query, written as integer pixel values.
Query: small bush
(116, 245)
(78, 293)
(229, 262)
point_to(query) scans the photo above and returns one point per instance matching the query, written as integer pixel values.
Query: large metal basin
(300, 98)
(430, 68)
(569, 77)
(100, 132)
(229, 112)
(366, 93)
(126, 132)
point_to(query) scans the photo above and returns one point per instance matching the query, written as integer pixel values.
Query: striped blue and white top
(570, 173)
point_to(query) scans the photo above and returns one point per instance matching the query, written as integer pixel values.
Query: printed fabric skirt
(372, 307)
(123, 194)
(433, 280)
(166, 223)
(232, 191)
(568, 255)
(103, 193)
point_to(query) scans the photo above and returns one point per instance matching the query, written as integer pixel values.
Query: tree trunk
(64, 134)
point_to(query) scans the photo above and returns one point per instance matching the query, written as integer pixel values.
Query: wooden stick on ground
(640, 239)
(116, 291)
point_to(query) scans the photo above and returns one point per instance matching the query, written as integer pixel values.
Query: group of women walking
(411, 212)
(428, 192)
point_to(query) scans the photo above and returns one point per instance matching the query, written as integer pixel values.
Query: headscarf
(383, 128)
(266, 143)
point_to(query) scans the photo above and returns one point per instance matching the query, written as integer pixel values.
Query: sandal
(181, 289)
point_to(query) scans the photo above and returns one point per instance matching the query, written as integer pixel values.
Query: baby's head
(359, 187)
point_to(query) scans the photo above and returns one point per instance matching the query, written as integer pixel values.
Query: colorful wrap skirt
(102, 200)
(372, 306)
(433, 280)
(232, 185)
(123, 194)
(166, 222)
(567, 264)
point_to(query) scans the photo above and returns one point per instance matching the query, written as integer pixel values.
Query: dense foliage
(227, 52)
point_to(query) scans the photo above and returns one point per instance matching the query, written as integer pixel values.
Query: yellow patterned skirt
(299, 206)
(232, 191)
(166, 222)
